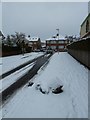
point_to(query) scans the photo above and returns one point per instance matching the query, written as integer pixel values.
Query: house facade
(34, 42)
(85, 27)
(57, 43)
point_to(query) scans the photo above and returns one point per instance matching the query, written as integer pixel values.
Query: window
(87, 26)
(53, 47)
(48, 42)
(61, 41)
(53, 41)
(61, 47)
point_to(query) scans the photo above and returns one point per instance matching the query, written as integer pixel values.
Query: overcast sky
(0, 16)
(44, 0)
(42, 19)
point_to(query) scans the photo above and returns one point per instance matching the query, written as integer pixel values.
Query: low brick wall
(80, 50)
(8, 51)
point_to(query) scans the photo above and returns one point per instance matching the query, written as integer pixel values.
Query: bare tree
(19, 38)
(8, 40)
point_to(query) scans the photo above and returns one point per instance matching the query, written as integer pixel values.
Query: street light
(58, 33)
(58, 38)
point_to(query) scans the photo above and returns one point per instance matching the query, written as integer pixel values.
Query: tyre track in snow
(19, 67)
(25, 78)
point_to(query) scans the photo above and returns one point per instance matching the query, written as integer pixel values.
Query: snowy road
(72, 103)
(9, 80)
(16, 80)
(16, 64)
(11, 62)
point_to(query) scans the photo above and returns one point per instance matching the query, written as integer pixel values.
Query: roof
(54, 37)
(85, 19)
(32, 38)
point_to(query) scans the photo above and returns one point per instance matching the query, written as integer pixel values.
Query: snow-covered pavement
(64, 70)
(11, 62)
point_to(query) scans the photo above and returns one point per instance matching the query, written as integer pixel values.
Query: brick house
(57, 43)
(34, 42)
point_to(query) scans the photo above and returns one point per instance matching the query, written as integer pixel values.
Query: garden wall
(8, 51)
(80, 50)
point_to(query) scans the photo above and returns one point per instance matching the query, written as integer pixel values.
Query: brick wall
(80, 50)
(7, 51)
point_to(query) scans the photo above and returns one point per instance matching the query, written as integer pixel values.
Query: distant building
(57, 43)
(34, 42)
(73, 38)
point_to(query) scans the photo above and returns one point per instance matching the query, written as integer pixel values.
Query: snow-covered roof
(32, 38)
(54, 37)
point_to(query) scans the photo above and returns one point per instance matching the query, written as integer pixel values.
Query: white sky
(42, 18)
(0, 16)
(44, 0)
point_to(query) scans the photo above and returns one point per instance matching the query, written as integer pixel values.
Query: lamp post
(58, 33)
(58, 39)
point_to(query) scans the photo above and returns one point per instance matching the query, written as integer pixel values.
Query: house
(34, 42)
(85, 27)
(57, 43)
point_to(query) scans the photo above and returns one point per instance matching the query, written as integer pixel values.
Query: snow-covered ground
(8, 63)
(64, 70)
(9, 80)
